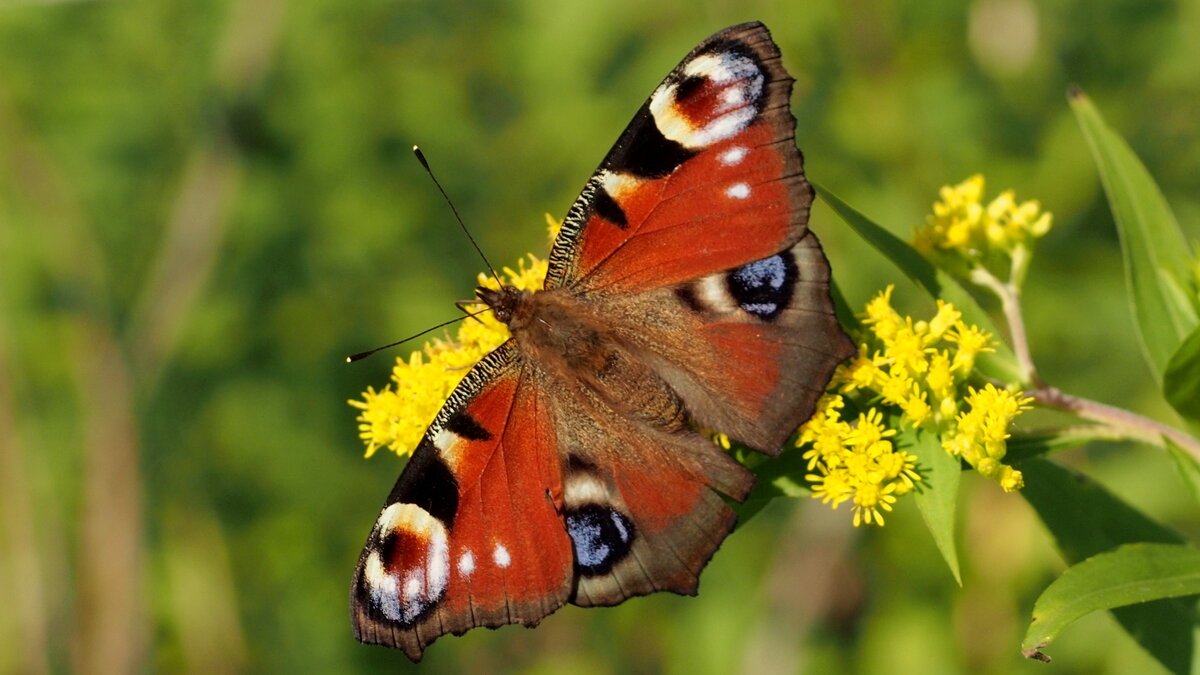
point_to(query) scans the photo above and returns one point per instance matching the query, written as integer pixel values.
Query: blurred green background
(205, 205)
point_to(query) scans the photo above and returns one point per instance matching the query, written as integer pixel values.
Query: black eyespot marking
(602, 536)
(468, 427)
(687, 295)
(436, 490)
(575, 463)
(688, 86)
(644, 152)
(607, 208)
(764, 287)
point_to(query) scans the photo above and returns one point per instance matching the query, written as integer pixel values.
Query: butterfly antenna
(362, 355)
(425, 163)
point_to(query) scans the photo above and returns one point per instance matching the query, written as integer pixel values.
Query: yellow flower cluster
(980, 433)
(963, 227)
(913, 372)
(855, 461)
(397, 416)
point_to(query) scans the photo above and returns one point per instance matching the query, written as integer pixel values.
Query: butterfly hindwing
(641, 505)
(748, 349)
(470, 536)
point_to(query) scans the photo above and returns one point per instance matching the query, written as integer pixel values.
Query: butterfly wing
(692, 236)
(470, 535)
(640, 503)
(705, 177)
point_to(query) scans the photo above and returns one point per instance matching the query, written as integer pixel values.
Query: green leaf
(1181, 380)
(1157, 257)
(1025, 445)
(1189, 470)
(1000, 364)
(1085, 519)
(1131, 574)
(781, 476)
(937, 493)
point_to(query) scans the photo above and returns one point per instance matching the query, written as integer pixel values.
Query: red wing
(641, 503)
(749, 350)
(706, 177)
(692, 240)
(470, 535)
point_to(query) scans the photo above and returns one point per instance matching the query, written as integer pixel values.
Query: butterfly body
(569, 340)
(684, 292)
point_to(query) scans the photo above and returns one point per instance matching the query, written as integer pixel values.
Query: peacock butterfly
(684, 290)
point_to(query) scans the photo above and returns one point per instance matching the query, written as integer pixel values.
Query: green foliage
(1189, 468)
(937, 497)
(1181, 380)
(205, 206)
(1127, 575)
(1085, 520)
(1158, 262)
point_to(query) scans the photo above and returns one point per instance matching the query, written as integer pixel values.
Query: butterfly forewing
(469, 536)
(692, 237)
(706, 177)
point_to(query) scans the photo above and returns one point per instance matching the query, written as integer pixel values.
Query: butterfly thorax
(573, 345)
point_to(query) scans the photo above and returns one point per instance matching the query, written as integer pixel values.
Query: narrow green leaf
(1181, 380)
(937, 493)
(1189, 470)
(781, 476)
(1157, 257)
(1130, 574)
(1000, 364)
(1025, 445)
(1085, 519)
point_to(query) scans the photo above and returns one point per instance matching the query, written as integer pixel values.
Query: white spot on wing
(733, 156)
(437, 563)
(711, 292)
(500, 556)
(738, 191)
(447, 443)
(466, 564)
(742, 85)
(618, 184)
(619, 523)
(412, 587)
(583, 488)
(425, 576)
(384, 588)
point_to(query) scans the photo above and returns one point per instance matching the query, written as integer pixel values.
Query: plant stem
(1131, 425)
(1126, 423)
(1010, 302)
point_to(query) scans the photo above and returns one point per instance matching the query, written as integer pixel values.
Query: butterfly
(684, 292)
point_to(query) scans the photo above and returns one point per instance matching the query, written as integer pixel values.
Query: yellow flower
(396, 417)
(869, 500)
(982, 429)
(916, 408)
(963, 233)
(913, 372)
(883, 320)
(861, 372)
(971, 342)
